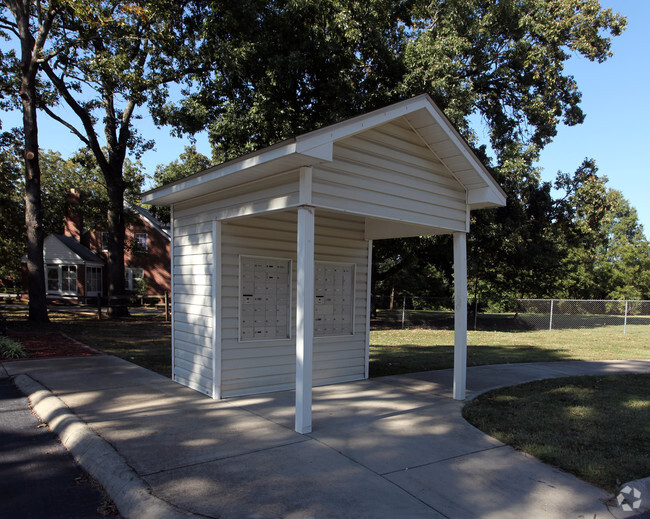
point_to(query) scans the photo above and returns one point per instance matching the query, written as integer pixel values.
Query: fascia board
(158, 195)
(485, 197)
(337, 131)
(312, 148)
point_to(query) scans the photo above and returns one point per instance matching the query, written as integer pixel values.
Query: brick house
(146, 251)
(75, 261)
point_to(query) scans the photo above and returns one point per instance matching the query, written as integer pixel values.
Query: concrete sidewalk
(386, 447)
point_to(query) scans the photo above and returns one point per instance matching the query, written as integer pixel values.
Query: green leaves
(505, 60)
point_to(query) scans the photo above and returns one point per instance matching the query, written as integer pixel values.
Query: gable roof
(83, 253)
(421, 114)
(149, 218)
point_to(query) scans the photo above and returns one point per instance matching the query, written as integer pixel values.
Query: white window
(132, 277)
(140, 241)
(264, 298)
(53, 279)
(93, 281)
(334, 299)
(69, 278)
(62, 279)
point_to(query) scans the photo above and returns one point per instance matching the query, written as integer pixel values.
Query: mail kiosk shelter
(271, 252)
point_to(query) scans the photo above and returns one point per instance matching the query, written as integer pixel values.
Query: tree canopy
(124, 55)
(282, 67)
(256, 72)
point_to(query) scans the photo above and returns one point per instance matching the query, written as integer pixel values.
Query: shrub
(10, 349)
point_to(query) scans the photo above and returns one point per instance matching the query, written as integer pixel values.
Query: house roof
(421, 114)
(151, 219)
(84, 253)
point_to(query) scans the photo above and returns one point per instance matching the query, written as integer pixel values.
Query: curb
(129, 492)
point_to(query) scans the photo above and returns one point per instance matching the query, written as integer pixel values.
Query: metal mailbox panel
(334, 297)
(264, 302)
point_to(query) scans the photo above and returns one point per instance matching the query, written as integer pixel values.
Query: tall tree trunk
(116, 229)
(33, 206)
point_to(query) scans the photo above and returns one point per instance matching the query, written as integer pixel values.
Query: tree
(80, 172)
(190, 162)
(505, 61)
(627, 253)
(125, 55)
(30, 24)
(291, 66)
(12, 212)
(275, 68)
(287, 67)
(607, 254)
(581, 213)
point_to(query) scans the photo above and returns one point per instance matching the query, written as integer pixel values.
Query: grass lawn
(597, 428)
(405, 351)
(143, 338)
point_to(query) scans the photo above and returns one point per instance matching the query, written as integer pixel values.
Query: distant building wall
(153, 258)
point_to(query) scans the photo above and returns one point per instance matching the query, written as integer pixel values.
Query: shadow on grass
(595, 427)
(144, 340)
(409, 358)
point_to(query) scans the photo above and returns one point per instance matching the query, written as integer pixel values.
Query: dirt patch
(53, 344)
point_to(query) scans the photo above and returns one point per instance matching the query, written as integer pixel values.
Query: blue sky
(616, 132)
(616, 99)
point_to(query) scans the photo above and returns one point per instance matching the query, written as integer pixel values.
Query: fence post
(625, 321)
(99, 307)
(550, 321)
(403, 311)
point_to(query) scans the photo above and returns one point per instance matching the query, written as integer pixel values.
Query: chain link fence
(560, 314)
(391, 311)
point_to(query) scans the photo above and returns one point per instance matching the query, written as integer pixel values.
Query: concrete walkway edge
(129, 492)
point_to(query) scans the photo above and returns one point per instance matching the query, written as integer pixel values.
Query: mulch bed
(49, 345)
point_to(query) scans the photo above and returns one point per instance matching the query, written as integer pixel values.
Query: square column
(304, 318)
(460, 315)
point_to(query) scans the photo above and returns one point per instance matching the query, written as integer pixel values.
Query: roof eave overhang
(485, 197)
(297, 151)
(317, 147)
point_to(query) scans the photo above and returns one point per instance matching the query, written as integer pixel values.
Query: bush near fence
(510, 314)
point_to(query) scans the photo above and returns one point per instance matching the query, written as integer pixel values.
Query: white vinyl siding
(192, 306)
(449, 149)
(389, 173)
(270, 365)
(270, 194)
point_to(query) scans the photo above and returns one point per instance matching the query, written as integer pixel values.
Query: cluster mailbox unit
(272, 252)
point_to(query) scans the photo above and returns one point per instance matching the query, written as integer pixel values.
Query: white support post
(460, 315)
(368, 310)
(304, 318)
(305, 185)
(171, 286)
(216, 310)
